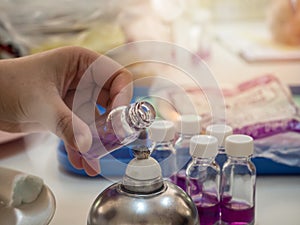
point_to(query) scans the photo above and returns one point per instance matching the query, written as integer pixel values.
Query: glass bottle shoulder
(239, 166)
(166, 145)
(184, 137)
(196, 168)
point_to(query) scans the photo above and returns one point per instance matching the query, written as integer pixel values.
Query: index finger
(105, 82)
(117, 91)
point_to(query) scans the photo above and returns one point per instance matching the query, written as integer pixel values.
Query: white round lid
(203, 146)
(220, 131)
(143, 169)
(189, 124)
(239, 145)
(162, 130)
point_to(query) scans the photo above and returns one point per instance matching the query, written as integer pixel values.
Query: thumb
(60, 120)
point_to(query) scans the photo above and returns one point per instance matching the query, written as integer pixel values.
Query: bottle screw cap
(162, 130)
(220, 131)
(239, 145)
(189, 124)
(203, 146)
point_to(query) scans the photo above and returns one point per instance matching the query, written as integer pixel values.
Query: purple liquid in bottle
(179, 179)
(208, 208)
(207, 203)
(182, 159)
(236, 213)
(108, 142)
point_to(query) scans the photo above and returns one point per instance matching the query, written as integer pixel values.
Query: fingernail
(92, 166)
(84, 142)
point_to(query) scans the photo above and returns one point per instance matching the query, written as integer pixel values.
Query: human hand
(284, 20)
(37, 93)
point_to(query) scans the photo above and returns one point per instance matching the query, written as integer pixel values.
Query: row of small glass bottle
(222, 194)
(238, 173)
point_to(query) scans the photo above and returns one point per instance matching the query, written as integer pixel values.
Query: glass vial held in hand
(221, 132)
(187, 126)
(162, 149)
(203, 178)
(122, 126)
(238, 182)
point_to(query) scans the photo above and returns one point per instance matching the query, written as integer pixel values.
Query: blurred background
(218, 31)
(34, 26)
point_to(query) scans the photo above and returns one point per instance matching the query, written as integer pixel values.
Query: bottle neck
(221, 149)
(163, 145)
(140, 115)
(185, 136)
(240, 159)
(199, 160)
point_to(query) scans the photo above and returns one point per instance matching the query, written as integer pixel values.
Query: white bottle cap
(145, 169)
(189, 124)
(220, 131)
(162, 130)
(203, 146)
(239, 145)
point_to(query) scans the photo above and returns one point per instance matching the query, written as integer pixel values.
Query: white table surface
(229, 68)
(277, 199)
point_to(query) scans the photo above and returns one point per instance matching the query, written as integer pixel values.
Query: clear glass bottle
(162, 133)
(120, 127)
(221, 132)
(203, 178)
(187, 126)
(238, 182)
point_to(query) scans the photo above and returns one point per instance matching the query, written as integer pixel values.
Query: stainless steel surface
(39, 212)
(167, 206)
(142, 187)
